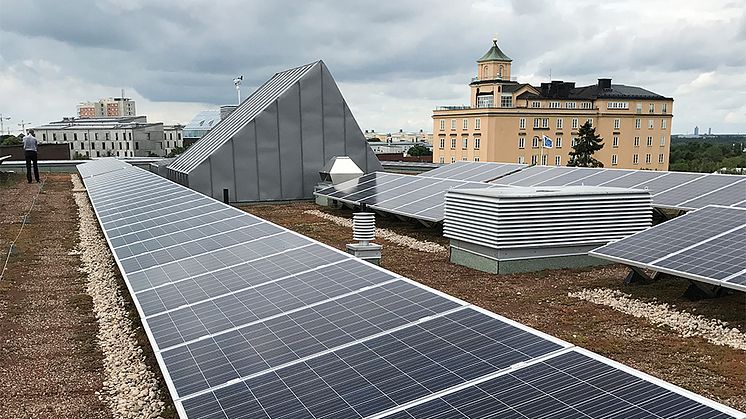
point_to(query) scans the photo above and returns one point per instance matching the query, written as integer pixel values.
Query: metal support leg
(700, 290)
(637, 275)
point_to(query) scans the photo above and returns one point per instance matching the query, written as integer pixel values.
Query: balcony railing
(452, 108)
(474, 79)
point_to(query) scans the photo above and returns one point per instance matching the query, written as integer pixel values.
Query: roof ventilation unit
(364, 231)
(337, 170)
(510, 230)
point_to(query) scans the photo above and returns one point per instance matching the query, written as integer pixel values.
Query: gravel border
(661, 314)
(386, 234)
(130, 388)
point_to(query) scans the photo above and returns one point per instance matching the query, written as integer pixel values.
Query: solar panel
(248, 319)
(704, 245)
(101, 166)
(474, 171)
(418, 197)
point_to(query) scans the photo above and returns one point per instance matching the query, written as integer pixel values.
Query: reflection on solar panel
(418, 197)
(669, 189)
(474, 171)
(248, 319)
(705, 245)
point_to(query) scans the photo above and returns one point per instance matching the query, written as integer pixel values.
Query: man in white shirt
(29, 150)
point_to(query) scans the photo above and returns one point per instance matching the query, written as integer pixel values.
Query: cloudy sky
(394, 60)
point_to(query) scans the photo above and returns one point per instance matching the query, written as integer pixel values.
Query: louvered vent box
(510, 230)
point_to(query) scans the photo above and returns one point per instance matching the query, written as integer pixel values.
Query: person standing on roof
(30, 151)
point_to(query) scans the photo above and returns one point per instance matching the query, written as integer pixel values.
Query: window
(137, 145)
(453, 143)
(442, 124)
(465, 143)
(453, 125)
(663, 123)
(75, 136)
(536, 104)
(477, 123)
(635, 159)
(545, 122)
(485, 101)
(660, 158)
(544, 159)
(534, 159)
(639, 107)
(587, 105)
(44, 137)
(442, 159)
(557, 160)
(72, 145)
(617, 105)
(651, 108)
(537, 122)
(95, 136)
(575, 123)
(85, 136)
(614, 159)
(663, 140)
(589, 121)
(558, 141)
(637, 123)
(170, 135)
(103, 146)
(554, 104)
(521, 160)
(535, 142)
(98, 154)
(559, 123)
(574, 141)
(650, 142)
(664, 108)
(107, 136)
(570, 105)
(521, 142)
(651, 124)
(112, 145)
(466, 124)
(116, 136)
(130, 135)
(477, 140)
(615, 141)
(647, 158)
(463, 158)
(82, 146)
(522, 123)
(637, 142)
(442, 143)
(476, 158)
(617, 123)
(54, 136)
(120, 146)
(168, 144)
(127, 146)
(506, 101)
(64, 136)
(453, 159)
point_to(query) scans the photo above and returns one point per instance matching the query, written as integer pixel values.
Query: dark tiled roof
(510, 88)
(494, 54)
(617, 91)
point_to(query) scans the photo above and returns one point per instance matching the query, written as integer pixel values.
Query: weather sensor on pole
(237, 81)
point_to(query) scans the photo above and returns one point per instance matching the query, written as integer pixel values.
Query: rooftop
(494, 54)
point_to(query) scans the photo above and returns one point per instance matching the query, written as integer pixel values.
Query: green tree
(419, 150)
(588, 143)
(175, 151)
(11, 140)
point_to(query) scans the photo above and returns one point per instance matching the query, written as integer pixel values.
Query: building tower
(493, 71)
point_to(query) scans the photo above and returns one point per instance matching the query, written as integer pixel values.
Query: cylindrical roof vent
(363, 227)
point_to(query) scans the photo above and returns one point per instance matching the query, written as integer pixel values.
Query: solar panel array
(474, 171)
(704, 245)
(680, 190)
(248, 319)
(418, 197)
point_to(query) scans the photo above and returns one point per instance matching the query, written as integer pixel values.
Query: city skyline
(394, 61)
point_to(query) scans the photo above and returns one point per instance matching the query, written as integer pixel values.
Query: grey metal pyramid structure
(274, 144)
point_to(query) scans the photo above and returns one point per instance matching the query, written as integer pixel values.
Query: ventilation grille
(545, 217)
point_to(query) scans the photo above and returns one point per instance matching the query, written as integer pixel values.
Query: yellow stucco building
(507, 119)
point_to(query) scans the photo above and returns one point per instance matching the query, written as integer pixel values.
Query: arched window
(500, 72)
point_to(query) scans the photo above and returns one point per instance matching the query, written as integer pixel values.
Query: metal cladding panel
(290, 144)
(312, 127)
(199, 179)
(222, 175)
(268, 150)
(334, 118)
(246, 162)
(355, 143)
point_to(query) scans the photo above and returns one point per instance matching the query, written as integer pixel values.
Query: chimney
(604, 84)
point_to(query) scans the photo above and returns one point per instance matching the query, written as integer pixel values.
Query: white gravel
(130, 388)
(386, 234)
(661, 314)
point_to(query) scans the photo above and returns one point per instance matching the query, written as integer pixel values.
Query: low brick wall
(46, 152)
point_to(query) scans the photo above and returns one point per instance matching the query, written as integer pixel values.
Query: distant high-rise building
(507, 120)
(112, 107)
(696, 130)
(709, 131)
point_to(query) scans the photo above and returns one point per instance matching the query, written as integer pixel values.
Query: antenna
(237, 81)
(23, 125)
(550, 73)
(2, 119)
